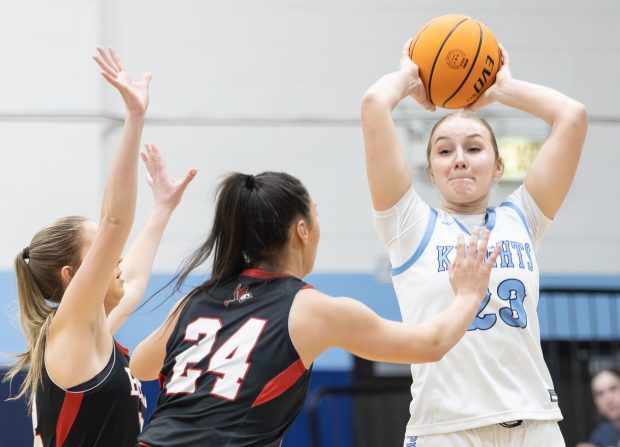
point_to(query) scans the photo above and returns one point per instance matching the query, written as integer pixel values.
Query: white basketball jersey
(496, 373)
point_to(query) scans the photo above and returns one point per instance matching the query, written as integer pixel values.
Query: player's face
(463, 165)
(606, 394)
(313, 239)
(115, 290)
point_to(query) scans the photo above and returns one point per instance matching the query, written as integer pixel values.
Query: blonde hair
(40, 289)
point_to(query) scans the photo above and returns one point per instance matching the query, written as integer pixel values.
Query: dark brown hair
(252, 222)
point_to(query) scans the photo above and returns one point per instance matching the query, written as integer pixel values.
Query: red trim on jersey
(68, 413)
(280, 383)
(123, 349)
(140, 443)
(162, 380)
(262, 274)
(307, 286)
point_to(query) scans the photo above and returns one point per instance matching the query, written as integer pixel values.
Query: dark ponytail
(253, 219)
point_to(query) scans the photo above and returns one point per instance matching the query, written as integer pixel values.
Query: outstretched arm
(318, 321)
(137, 264)
(551, 174)
(79, 340)
(387, 171)
(84, 296)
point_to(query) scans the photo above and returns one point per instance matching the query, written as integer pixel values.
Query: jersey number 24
(229, 362)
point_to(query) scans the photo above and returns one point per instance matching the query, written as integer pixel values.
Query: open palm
(134, 93)
(167, 191)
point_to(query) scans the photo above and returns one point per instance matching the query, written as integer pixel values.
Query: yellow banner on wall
(518, 154)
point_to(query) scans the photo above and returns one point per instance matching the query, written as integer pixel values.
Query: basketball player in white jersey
(493, 388)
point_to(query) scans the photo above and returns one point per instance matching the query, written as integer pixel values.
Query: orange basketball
(457, 58)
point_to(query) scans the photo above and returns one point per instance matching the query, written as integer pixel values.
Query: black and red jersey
(231, 376)
(104, 411)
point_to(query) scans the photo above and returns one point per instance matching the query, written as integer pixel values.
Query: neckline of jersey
(489, 221)
(262, 274)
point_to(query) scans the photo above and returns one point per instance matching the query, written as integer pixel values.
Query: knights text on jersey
(497, 372)
(231, 376)
(104, 411)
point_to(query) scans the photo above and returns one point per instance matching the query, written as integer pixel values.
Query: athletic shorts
(528, 433)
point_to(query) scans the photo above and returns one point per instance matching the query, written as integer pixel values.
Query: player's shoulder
(311, 300)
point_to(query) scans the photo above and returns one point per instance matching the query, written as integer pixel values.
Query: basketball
(457, 58)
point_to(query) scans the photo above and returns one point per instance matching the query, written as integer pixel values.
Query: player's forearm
(448, 327)
(543, 102)
(386, 168)
(138, 262)
(119, 202)
(137, 266)
(386, 93)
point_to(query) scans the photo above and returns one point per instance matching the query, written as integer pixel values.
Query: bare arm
(86, 291)
(387, 171)
(550, 176)
(138, 263)
(79, 342)
(318, 321)
(148, 357)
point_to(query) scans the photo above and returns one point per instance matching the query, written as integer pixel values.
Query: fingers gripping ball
(457, 58)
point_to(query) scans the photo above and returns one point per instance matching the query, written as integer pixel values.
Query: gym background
(248, 86)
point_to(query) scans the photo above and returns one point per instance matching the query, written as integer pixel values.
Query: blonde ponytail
(40, 289)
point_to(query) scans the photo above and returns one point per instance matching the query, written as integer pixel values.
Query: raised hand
(134, 93)
(416, 86)
(167, 191)
(470, 272)
(502, 79)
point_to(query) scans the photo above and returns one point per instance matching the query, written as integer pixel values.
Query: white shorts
(530, 433)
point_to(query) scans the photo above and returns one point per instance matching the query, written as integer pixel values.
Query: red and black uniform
(231, 377)
(104, 411)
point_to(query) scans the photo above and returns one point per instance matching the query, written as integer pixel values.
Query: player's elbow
(580, 116)
(437, 351)
(373, 103)
(135, 368)
(434, 348)
(369, 100)
(139, 370)
(440, 343)
(429, 355)
(115, 223)
(575, 118)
